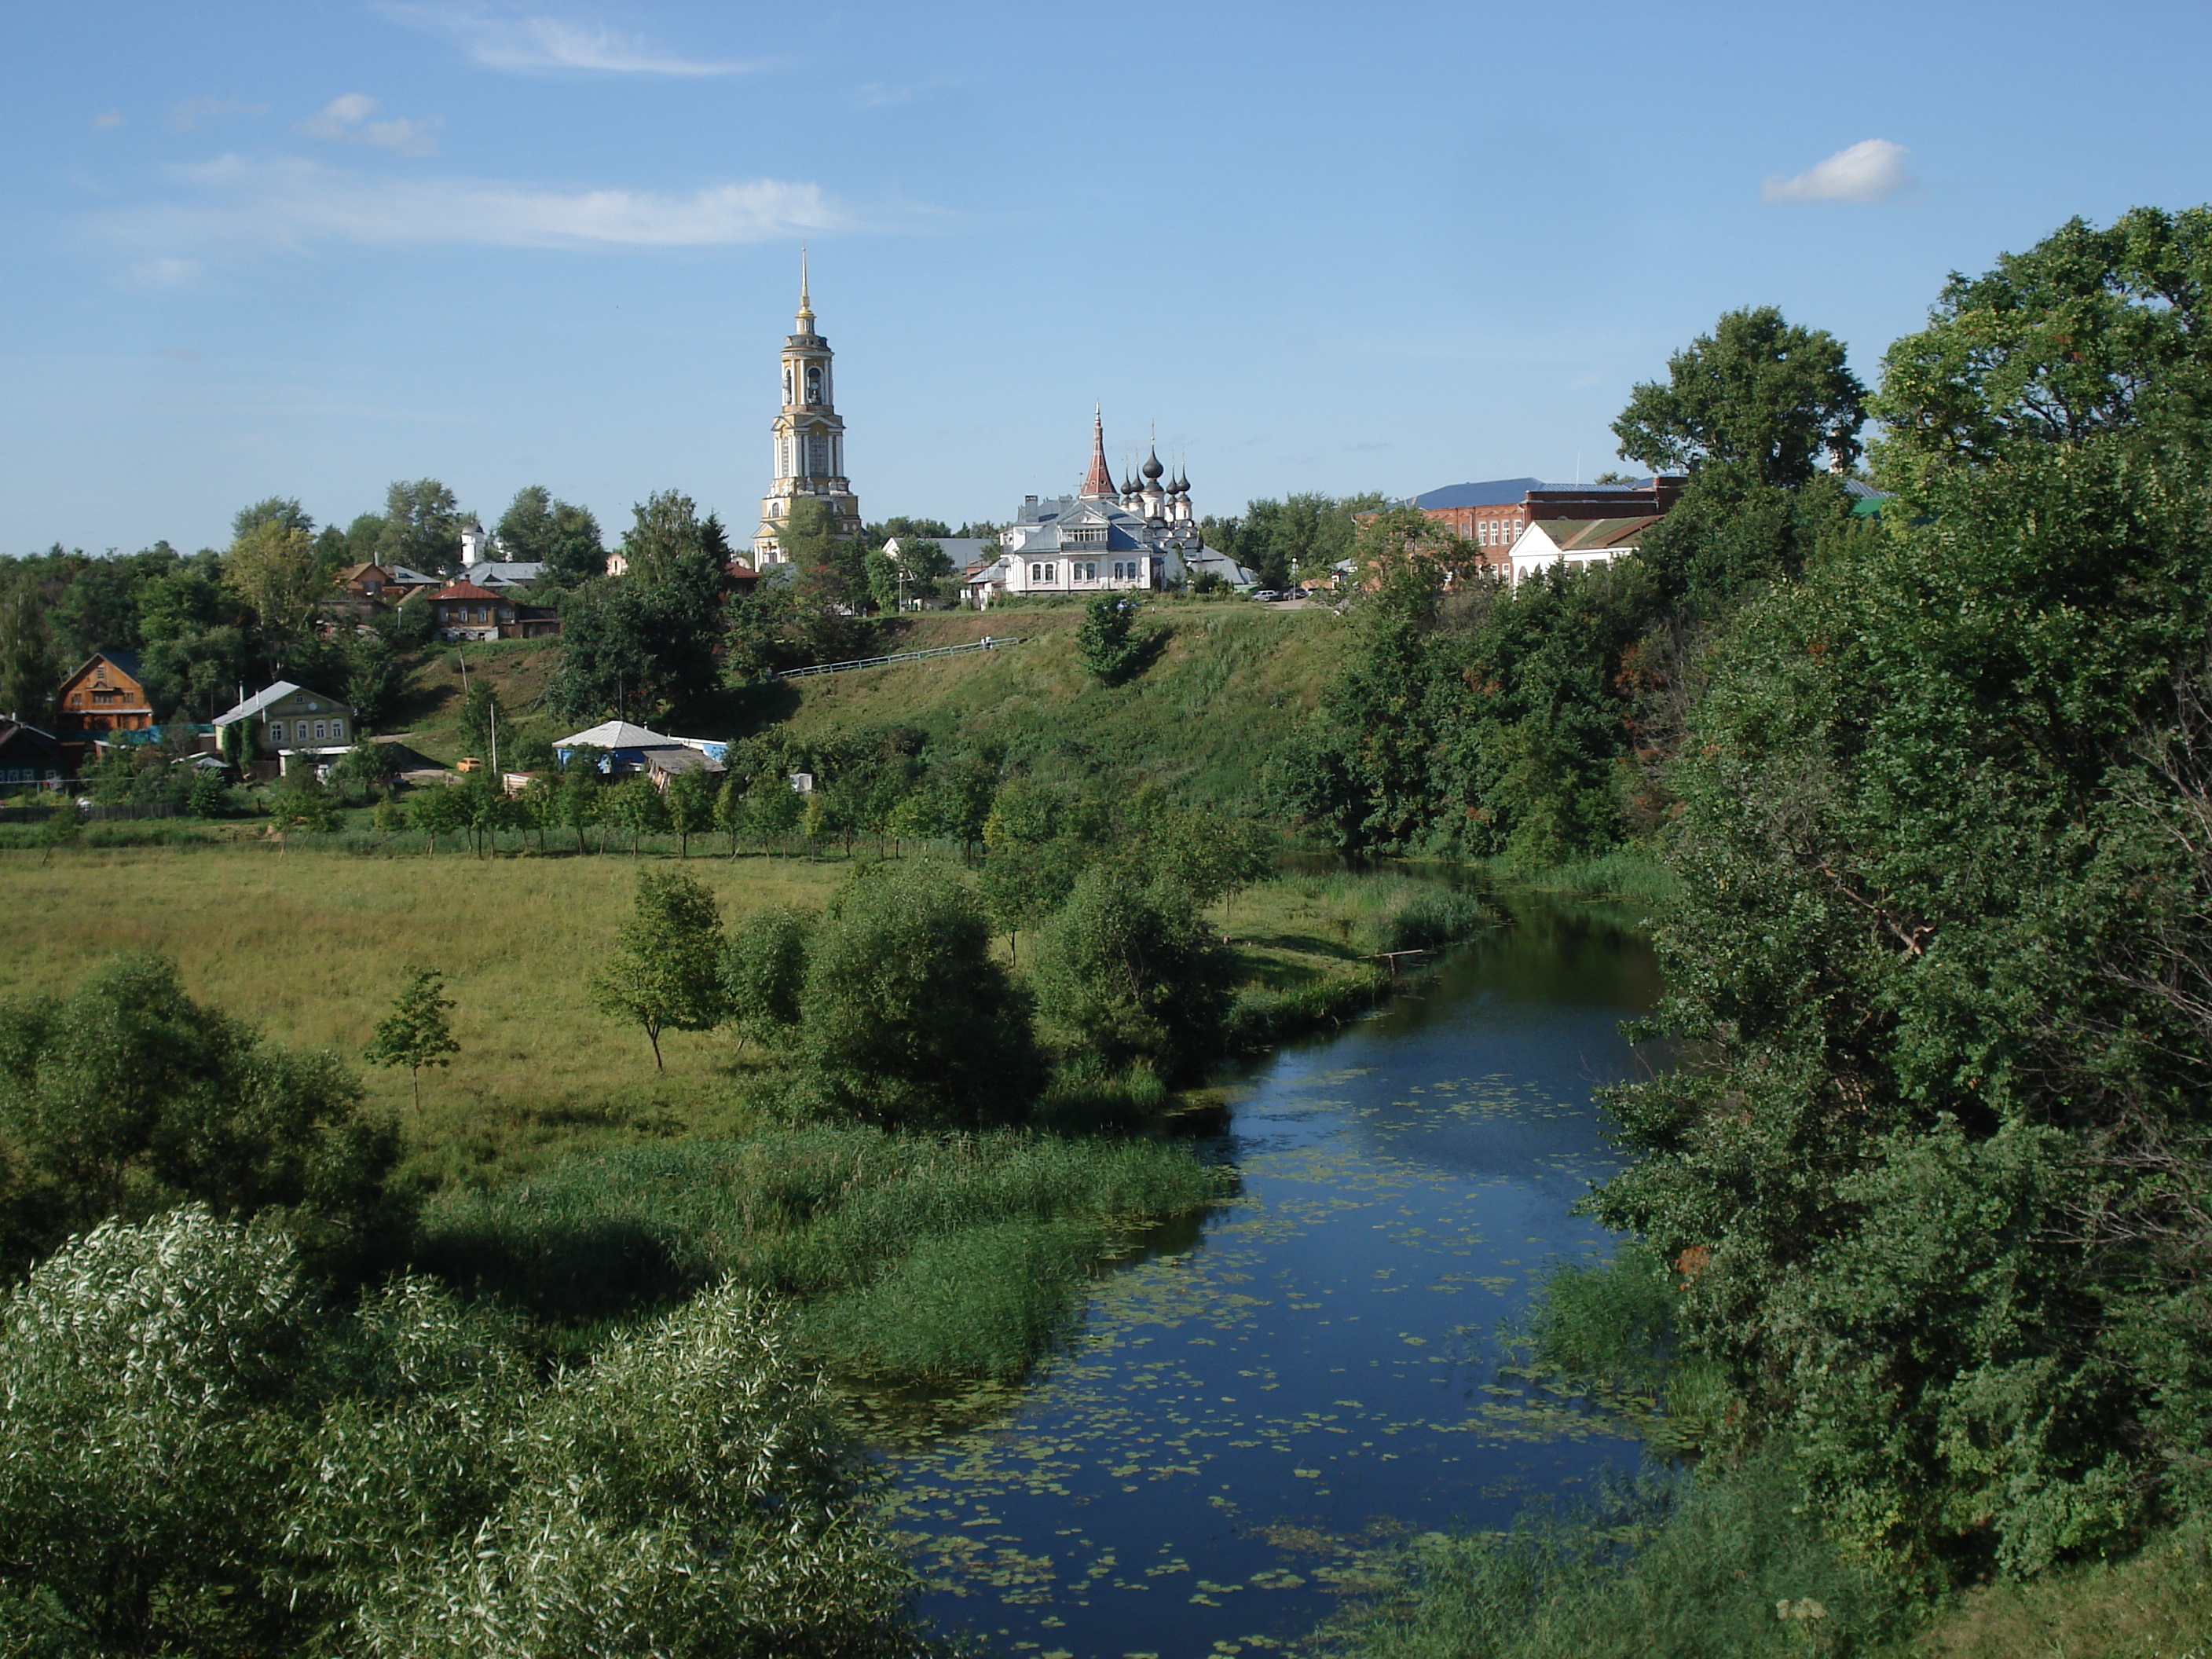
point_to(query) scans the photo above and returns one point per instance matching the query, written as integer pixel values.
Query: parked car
(1264, 594)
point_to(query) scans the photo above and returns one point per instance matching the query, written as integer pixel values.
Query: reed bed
(909, 1257)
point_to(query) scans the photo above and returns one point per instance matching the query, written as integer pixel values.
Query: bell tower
(809, 437)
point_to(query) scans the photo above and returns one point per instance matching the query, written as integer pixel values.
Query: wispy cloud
(107, 120)
(237, 202)
(1871, 171)
(193, 114)
(346, 119)
(166, 272)
(522, 41)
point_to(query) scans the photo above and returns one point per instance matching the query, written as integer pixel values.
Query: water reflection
(1250, 1417)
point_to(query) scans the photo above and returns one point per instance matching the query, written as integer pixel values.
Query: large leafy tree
(908, 1019)
(1131, 975)
(1758, 393)
(1936, 1191)
(273, 569)
(645, 641)
(536, 529)
(421, 528)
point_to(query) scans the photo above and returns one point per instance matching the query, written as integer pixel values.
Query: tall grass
(912, 1257)
(1371, 912)
(1726, 1563)
(1608, 875)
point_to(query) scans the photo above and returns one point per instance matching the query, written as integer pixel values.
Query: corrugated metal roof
(273, 695)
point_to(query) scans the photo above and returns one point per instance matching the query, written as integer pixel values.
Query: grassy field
(309, 942)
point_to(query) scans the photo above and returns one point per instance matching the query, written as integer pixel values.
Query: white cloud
(107, 120)
(346, 119)
(240, 203)
(193, 114)
(507, 41)
(1871, 171)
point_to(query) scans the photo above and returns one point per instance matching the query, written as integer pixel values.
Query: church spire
(805, 305)
(1099, 482)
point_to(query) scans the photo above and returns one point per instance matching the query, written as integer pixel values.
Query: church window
(787, 383)
(814, 383)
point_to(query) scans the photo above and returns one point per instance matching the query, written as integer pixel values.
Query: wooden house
(105, 695)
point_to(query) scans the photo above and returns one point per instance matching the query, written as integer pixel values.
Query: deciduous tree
(665, 973)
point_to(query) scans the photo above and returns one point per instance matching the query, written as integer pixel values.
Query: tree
(1131, 973)
(1030, 861)
(831, 566)
(1938, 1177)
(478, 721)
(364, 772)
(299, 803)
(1758, 394)
(374, 679)
(772, 808)
(764, 973)
(906, 1018)
(126, 1097)
(536, 529)
(636, 805)
(421, 528)
(1106, 639)
(647, 640)
(28, 670)
(580, 798)
(691, 802)
(417, 1032)
(272, 568)
(440, 809)
(282, 510)
(665, 971)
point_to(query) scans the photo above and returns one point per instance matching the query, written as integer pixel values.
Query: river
(1260, 1406)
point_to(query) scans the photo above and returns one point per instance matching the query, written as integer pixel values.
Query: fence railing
(984, 644)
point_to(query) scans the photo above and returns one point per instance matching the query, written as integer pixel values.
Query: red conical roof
(1100, 481)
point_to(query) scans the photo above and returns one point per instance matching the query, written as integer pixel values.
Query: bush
(1730, 1563)
(128, 1098)
(908, 1019)
(1127, 970)
(764, 973)
(197, 1458)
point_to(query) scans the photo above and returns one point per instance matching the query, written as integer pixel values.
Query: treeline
(1303, 536)
(1923, 1226)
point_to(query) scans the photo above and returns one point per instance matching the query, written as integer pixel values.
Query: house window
(1086, 572)
(321, 736)
(337, 730)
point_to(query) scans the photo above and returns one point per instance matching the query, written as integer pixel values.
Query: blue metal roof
(1498, 492)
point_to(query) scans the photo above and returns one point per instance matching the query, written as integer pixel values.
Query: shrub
(127, 1097)
(908, 1019)
(1127, 970)
(764, 973)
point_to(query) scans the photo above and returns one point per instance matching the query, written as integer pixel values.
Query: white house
(1575, 543)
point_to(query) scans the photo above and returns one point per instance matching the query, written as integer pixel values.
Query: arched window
(814, 383)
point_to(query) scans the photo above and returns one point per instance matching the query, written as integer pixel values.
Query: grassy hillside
(1229, 679)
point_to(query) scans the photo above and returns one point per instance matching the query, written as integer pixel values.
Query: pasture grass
(309, 944)
(911, 1257)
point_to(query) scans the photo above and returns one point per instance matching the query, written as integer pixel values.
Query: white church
(1140, 535)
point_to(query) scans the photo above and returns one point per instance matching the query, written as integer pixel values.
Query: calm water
(1256, 1411)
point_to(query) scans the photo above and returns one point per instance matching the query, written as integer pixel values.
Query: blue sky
(308, 248)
